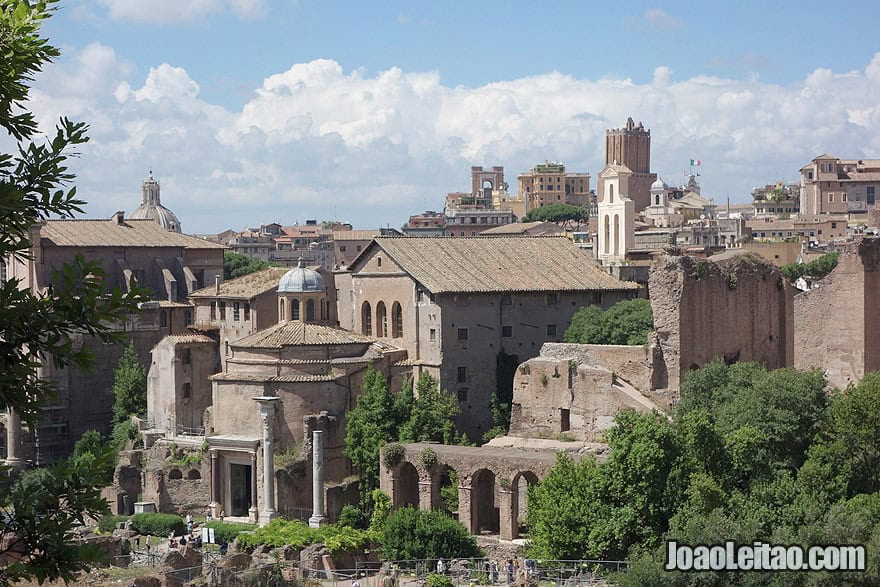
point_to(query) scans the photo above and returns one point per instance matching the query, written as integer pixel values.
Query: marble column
(214, 506)
(253, 512)
(267, 415)
(318, 518)
(13, 442)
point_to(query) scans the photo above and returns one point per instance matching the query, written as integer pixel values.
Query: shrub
(392, 454)
(353, 517)
(157, 524)
(419, 534)
(280, 532)
(108, 523)
(381, 509)
(428, 458)
(435, 580)
(227, 531)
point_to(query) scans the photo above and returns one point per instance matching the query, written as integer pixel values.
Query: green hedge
(337, 539)
(108, 523)
(227, 531)
(411, 534)
(158, 524)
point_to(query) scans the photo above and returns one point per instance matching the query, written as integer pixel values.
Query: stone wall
(736, 307)
(837, 324)
(177, 488)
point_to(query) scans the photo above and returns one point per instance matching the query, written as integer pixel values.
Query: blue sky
(253, 111)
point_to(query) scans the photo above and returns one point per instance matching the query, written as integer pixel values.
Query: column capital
(267, 407)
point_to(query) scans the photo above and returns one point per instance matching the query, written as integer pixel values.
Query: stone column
(214, 506)
(465, 508)
(267, 414)
(253, 511)
(426, 501)
(13, 432)
(506, 504)
(318, 518)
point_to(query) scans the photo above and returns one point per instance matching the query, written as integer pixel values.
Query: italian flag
(695, 162)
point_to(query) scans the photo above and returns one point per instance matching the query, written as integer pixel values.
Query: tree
(412, 534)
(564, 214)
(237, 265)
(432, 416)
(42, 509)
(129, 386)
(817, 268)
(627, 322)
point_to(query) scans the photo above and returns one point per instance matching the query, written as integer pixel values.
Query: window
(473, 219)
(564, 420)
(871, 195)
(236, 311)
(186, 356)
(462, 375)
(551, 330)
(432, 335)
(473, 233)
(379, 261)
(462, 394)
(187, 317)
(596, 299)
(833, 225)
(843, 197)
(187, 390)
(396, 320)
(381, 320)
(506, 299)
(294, 310)
(223, 310)
(830, 197)
(552, 299)
(163, 319)
(247, 311)
(366, 319)
(213, 311)
(462, 334)
(310, 310)
(358, 248)
(809, 175)
(507, 331)
(342, 248)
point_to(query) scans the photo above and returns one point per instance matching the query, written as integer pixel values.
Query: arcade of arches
(492, 483)
(388, 321)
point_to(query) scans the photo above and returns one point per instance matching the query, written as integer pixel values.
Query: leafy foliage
(500, 419)
(158, 524)
(353, 517)
(432, 416)
(421, 534)
(381, 509)
(449, 492)
(227, 531)
(129, 386)
(564, 214)
(435, 580)
(626, 322)
(280, 532)
(238, 265)
(817, 268)
(88, 451)
(108, 523)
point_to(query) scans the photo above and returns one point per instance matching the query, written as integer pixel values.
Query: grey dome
(301, 279)
(151, 207)
(658, 185)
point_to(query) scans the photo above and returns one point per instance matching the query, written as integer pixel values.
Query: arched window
(294, 310)
(616, 234)
(396, 321)
(310, 311)
(280, 309)
(611, 193)
(381, 320)
(366, 319)
(607, 248)
(657, 200)
(3, 276)
(187, 318)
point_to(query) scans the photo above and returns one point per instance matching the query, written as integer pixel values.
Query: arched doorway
(444, 490)
(519, 500)
(366, 319)
(484, 512)
(408, 486)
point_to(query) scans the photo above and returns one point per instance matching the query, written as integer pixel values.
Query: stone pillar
(464, 508)
(214, 506)
(13, 432)
(425, 501)
(253, 511)
(318, 518)
(267, 414)
(506, 503)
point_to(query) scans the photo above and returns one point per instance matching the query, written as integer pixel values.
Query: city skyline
(251, 112)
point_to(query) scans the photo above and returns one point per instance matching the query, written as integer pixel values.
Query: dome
(301, 279)
(151, 207)
(658, 185)
(157, 213)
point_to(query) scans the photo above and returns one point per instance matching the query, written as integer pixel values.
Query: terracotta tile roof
(263, 378)
(189, 338)
(355, 235)
(535, 228)
(497, 264)
(107, 233)
(299, 333)
(246, 286)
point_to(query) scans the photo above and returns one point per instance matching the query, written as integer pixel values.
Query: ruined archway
(484, 511)
(408, 486)
(519, 500)
(444, 490)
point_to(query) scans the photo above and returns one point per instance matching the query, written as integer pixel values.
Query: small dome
(658, 185)
(300, 279)
(157, 213)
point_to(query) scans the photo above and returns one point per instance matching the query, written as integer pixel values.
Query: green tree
(237, 265)
(627, 322)
(817, 268)
(565, 215)
(129, 386)
(371, 424)
(433, 414)
(411, 533)
(42, 509)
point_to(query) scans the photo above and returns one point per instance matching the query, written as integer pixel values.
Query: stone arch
(294, 309)
(366, 319)
(381, 321)
(408, 486)
(193, 474)
(175, 474)
(484, 511)
(396, 320)
(441, 476)
(310, 310)
(519, 487)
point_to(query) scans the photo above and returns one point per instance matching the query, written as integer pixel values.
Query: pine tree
(129, 386)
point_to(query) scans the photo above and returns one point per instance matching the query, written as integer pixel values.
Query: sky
(258, 111)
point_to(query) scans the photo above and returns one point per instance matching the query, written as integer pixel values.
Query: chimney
(217, 285)
(119, 217)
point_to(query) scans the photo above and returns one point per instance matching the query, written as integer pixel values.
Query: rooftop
(497, 264)
(110, 233)
(246, 286)
(297, 334)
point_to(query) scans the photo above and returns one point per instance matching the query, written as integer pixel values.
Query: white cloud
(655, 20)
(316, 141)
(179, 11)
